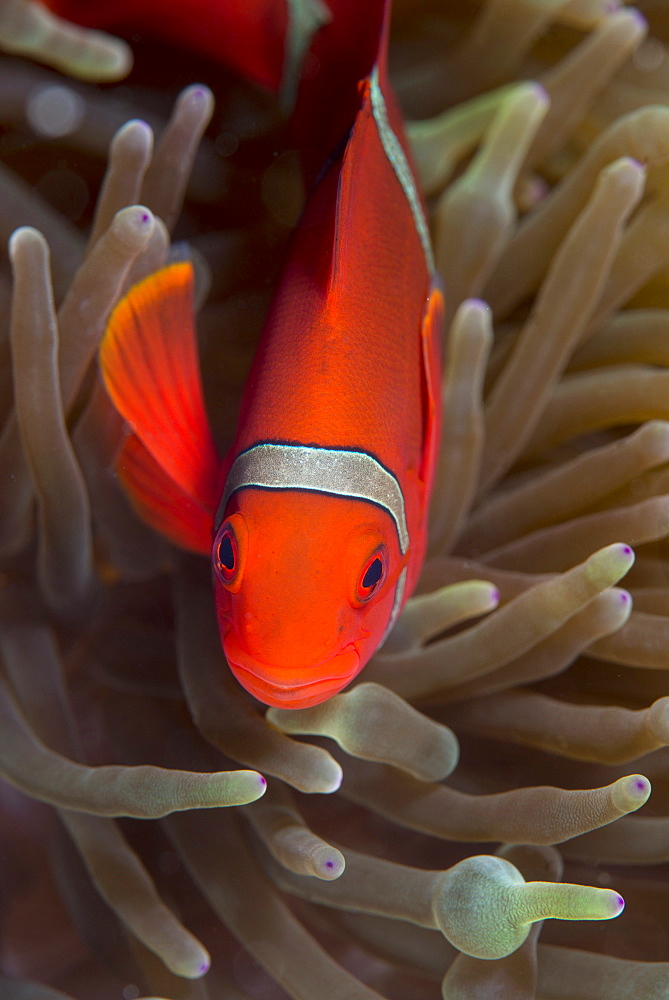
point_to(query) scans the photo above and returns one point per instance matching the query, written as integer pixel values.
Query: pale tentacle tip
(137, 129)
(478, 304)
(134, 216)
(21, 233)
(625, 551)
(198, 94)
(196, 965)
(634, 14)
(199, 968)
(132, 226)
(642, 786)
(631, 792)
(539, 93)
(23, 239)
(116, 60)
(331, 866)
(334, 780)
(633, 162)
(324, 779)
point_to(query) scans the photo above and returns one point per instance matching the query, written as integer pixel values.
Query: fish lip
(271, 685)
(290, 696)
(290, 677)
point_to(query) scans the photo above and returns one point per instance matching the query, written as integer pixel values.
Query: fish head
(305, 586)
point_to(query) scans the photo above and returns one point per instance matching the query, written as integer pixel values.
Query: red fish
(318, 513)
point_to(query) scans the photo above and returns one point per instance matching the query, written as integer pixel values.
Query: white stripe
(397, 604)
(397, 159)
(328, 470)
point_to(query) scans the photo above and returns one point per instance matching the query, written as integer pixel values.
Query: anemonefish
(316, 519)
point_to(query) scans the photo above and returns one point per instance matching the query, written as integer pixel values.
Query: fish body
(319, 510)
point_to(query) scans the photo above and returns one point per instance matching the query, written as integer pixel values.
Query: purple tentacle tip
(621, 904)
(145, 217)
(204, 968)
(329, 864)
(494, 595)
(641, 785)
(262, 781)
(624, 597)
(479, 303)
(627, 550)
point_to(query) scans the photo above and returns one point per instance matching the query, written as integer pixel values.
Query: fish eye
(226, 553)
(373, 576)
(228, 550)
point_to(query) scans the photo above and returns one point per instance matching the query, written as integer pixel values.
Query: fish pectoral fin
(431, 339)
(160, 501)
(149, 363)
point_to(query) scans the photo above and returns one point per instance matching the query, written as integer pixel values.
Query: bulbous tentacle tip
(613, 562)
(136, 137)
(240, 787)
(198, 94)
(631, 792)
(474, 306)
(25, 238)
(133, 225)
(328, 863)
(329, 778)
(193, 964)
(484, 907)
(470, 905)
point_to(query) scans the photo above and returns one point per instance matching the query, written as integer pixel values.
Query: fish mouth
(286, 687)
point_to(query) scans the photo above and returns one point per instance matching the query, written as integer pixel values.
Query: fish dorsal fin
(149, 364)
(376, 150)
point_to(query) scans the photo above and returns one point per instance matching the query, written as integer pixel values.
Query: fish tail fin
(149, 364)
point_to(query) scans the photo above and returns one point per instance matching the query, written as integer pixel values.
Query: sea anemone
(521, 688)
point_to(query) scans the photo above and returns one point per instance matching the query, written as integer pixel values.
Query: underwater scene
(334, 500)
